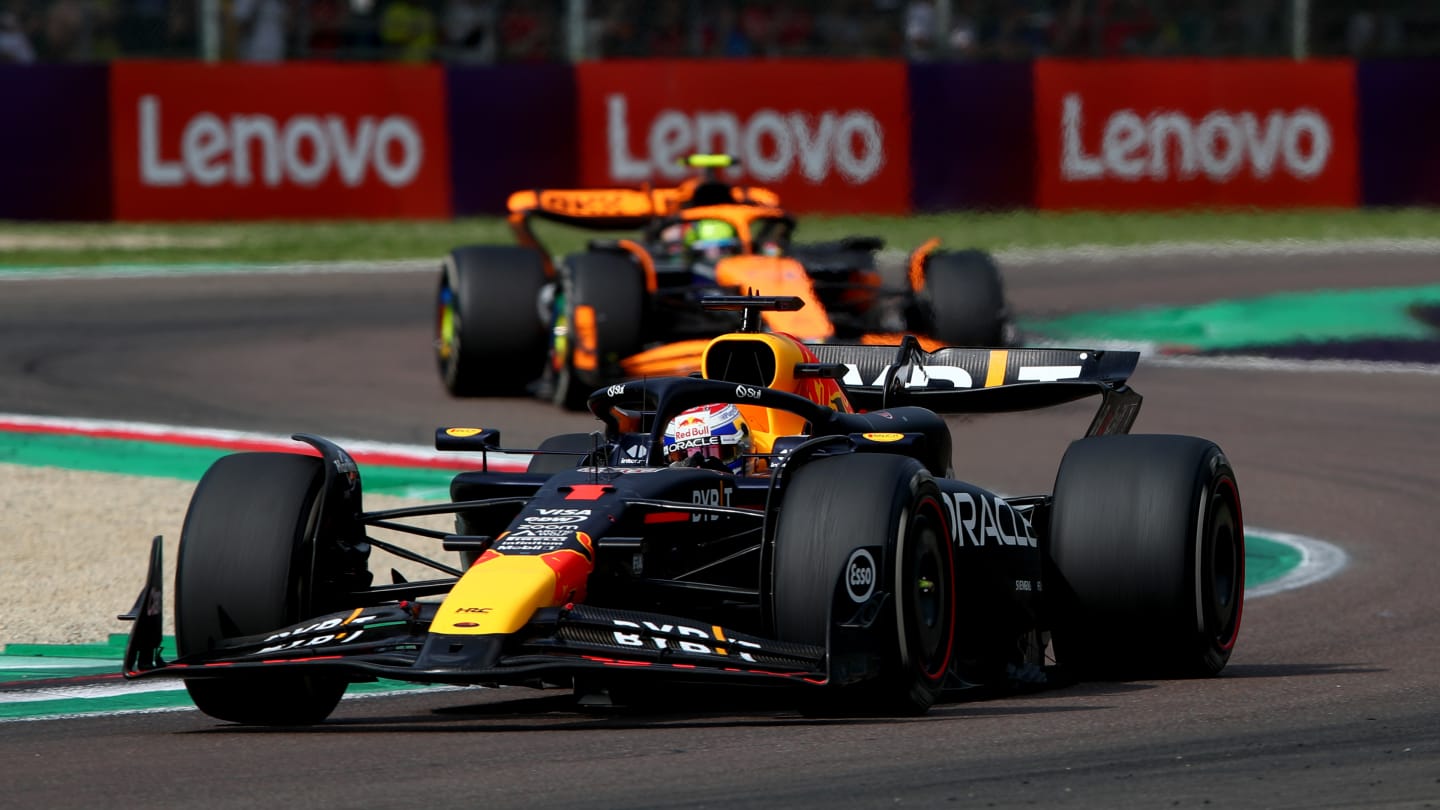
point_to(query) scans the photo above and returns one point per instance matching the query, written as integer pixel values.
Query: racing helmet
(712, 238)
(713, 436)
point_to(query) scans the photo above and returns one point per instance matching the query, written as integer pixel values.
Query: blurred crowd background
(498, 31)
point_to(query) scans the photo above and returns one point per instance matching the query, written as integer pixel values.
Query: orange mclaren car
(512, 318)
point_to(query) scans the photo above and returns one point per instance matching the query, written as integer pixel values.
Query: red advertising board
(216, 142)
(1170, 134)
(827, 136)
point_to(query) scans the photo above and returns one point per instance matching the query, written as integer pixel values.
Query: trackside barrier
(186, 141)
(1188, 133)
(972, 144)
(214, 142)
(828, 136)
(54, 142)
(1400, 132)
(511, 127)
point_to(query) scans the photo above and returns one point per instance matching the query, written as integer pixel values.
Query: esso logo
(860, 575)
(746, 392)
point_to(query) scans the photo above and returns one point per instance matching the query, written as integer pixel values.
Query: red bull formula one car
(511, 319)
(751, 526)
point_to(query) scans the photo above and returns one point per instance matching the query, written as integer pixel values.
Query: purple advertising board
(972, 136)
(1399, 112)
(512, 127)
(55, 140)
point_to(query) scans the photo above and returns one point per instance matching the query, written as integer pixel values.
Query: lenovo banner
(972, 142)
(511, 127)
(54, 137)
(1153, 134)
(1400, 132)
(826, 136)
(216, 142)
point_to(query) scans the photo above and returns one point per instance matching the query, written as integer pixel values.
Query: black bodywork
(681, 558)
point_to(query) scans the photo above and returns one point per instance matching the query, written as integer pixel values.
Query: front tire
(835, 507)
(247, 565)
(489, 337)
(1148, 548)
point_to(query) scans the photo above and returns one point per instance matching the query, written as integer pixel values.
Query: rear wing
(985, 380)
(624, 209)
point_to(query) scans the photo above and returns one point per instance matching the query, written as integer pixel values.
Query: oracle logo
(1219, 146)
(301, 150)
(771, 145)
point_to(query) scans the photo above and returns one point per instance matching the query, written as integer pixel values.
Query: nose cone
(500, 592)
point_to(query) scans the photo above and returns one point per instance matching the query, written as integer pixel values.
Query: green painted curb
(1300, 317)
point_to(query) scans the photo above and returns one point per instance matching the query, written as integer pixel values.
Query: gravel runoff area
(80, 540)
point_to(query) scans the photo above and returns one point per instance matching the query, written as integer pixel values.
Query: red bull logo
(691, 427)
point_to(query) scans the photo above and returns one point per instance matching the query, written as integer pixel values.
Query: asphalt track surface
(1332, 697)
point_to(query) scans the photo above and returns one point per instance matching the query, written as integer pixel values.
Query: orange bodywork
(773, 275)
(767, 424)
(671, 360)
(917, 264)
(929, 344)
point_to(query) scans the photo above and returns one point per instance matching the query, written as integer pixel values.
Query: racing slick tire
(489, 336)
(247, 565)
(837, 508)
(963, 300)
(1147, 555)
(613, 288)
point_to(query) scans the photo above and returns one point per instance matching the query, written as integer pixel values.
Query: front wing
(393, 641)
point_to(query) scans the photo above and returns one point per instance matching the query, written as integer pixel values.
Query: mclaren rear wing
(984, 380)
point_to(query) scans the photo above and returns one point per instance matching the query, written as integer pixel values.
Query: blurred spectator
(527, 31)
(260, 29)
(794, 27)
(67, 33)
(840, 29)
(485, 31)
(921, 23)
(408, 31)
(1372, 33)
(617, 30)
(666, 33)
(1126, 27)
(471, 30)
(15, 47)
(727, 38)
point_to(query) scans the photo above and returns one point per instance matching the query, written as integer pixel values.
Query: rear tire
(1148, 548)
(489, 338)
(963, 302)
(614, 288)
(247, 565)
(837, 506)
